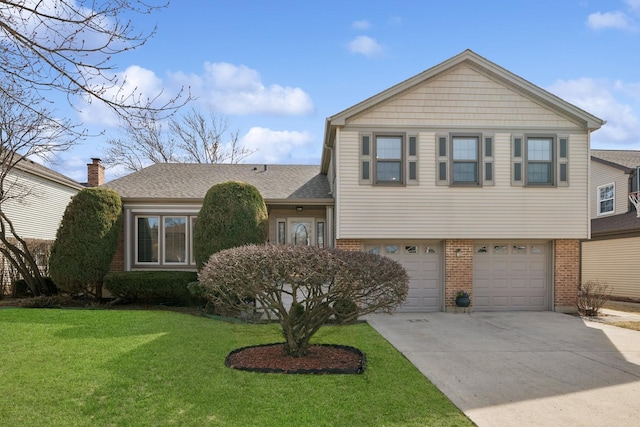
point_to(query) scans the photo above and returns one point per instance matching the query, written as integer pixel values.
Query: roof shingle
(192, 181)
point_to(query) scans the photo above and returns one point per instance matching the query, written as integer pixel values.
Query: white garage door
(422, 261)
(509, 276)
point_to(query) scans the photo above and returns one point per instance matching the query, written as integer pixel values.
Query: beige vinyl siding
(464, 98)
(427, 211)
(38, 214)
(603, 175)
(613, 262)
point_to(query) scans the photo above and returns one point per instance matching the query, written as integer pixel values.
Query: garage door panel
(422, 261)
(510, 276)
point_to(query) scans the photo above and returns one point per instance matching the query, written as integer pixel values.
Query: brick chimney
(95, 173)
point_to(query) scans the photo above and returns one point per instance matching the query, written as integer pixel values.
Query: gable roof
(626, 160)
(189, 182)
(486, 67)
(34, 168)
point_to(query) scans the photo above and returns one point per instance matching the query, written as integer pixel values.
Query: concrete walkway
(524, 368)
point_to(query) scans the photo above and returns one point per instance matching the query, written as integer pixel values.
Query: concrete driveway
(524, 368)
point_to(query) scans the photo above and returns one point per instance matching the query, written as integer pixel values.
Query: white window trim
(613, 199)
(189, 256)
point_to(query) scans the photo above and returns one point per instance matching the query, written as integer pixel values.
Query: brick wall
(458, 269)
(349, 244)
(567, 274)
(117, 264)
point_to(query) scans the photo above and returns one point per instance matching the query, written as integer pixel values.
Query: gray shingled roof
(629, 159)
(623, 223)
(186, 181)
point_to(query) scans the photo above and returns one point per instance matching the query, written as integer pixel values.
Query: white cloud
(365, 45)
(237, 89)
(279, 147)
(132, 84)
(617, 20)
(611, 101)
(633, 4)
(361, 25)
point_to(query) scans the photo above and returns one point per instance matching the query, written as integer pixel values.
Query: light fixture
(458, 253)
(299, 208)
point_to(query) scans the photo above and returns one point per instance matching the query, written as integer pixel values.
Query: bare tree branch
(68, 46)
(191, 138)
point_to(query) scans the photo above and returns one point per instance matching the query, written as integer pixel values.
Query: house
(161, 203)
(612, 253)
(470, 176)
(36, 198)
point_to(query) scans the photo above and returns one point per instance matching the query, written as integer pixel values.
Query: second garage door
(422, 261)
(509, 276)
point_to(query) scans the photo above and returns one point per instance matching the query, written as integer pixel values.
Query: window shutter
(563, 161)
(442, 159)
(412, 159)
(365, 159)
(517, 160)
(487, 179)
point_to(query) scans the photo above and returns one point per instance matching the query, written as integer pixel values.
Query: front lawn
(152, 368)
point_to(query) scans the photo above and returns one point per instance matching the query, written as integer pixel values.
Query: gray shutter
(488, 150)
(563, 161)
(365, 158)
(517, 160)
(442, 159)
(412, 160)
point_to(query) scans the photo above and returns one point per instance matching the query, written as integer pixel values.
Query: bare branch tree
(68, 46)
(24, 131)
(191, 138)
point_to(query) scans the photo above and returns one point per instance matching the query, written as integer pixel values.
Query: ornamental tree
(233, 214)
(302, 286)
(86, 241)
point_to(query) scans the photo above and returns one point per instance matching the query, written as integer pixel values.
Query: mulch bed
(320, 359)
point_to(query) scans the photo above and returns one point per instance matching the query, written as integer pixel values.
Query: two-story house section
(473, 178)
(611, 255)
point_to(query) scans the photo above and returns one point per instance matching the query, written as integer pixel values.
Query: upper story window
(540, 160)
(606, 199)
(465, 159)
(388, 162)
(389, 159)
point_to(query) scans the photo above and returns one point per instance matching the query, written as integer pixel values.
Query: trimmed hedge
(152, 285)
(232, 214)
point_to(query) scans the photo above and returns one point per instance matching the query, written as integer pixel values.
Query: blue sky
(277, 69)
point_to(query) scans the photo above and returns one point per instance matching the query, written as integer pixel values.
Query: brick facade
(117, 264)
(567, 274)
(349, 244)
(458, 270)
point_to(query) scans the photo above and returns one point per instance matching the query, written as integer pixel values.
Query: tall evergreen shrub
(233, 214)
(86, 241)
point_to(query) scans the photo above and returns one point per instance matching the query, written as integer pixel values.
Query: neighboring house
(38, 197)
(470, 176)
(612, 254)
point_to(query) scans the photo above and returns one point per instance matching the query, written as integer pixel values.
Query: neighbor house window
(388, 159)
(606, 196)
(164, 240)
(464, 154)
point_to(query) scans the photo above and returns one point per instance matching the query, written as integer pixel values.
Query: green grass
(157, 368)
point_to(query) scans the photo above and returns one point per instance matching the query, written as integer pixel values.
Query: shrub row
(151, 285)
